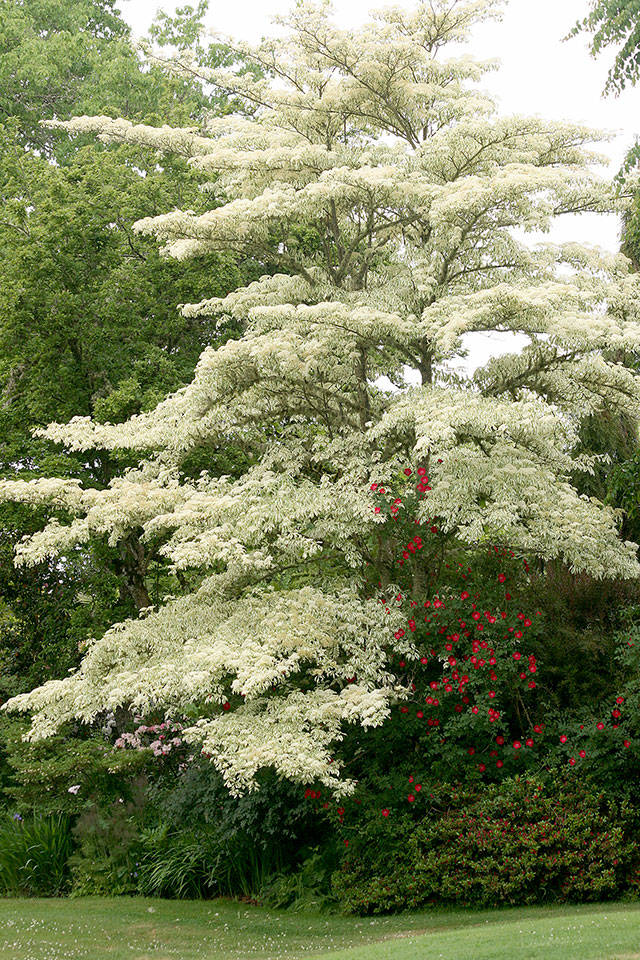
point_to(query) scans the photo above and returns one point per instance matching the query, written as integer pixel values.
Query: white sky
(540, 75)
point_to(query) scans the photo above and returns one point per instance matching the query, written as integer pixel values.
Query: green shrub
(511, 843)
(38, 774)
(108, 845)
(205, 842)
(34, 855)
(308, 888)
(275, 815)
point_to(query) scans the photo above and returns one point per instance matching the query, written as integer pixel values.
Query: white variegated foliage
(382, 193)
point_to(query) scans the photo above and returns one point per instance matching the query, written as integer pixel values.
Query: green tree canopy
(89, 318)
(615, 23)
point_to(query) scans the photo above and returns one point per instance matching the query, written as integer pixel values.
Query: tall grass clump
(34, 855)
(199, 863)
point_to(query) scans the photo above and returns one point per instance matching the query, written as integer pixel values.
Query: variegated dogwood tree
(390, 205)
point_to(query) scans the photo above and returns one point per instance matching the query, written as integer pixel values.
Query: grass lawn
(137, 929)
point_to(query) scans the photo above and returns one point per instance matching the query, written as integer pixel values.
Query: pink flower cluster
(163, 744)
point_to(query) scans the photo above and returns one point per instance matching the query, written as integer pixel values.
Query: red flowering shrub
(480, 686)
(604, 740)
(510, 843)
(473, 675)
(544, 806)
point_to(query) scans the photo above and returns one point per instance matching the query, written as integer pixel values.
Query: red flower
(407, 471)
(516, 744)
(481, 767)
(572, 761)
(619, 699)
(627, 743)
(600, 725)
(537, 729)
(501, 578)
(385, 812)
(529, 742)
(499, 763)
(500, 741)
(411, 798)
(563, 738)
(226, 706)
(582, 753)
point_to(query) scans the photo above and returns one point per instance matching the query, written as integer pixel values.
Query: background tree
(64, 57)
(614, 23)
(88, 312)
(381, 191)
